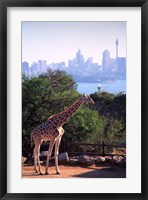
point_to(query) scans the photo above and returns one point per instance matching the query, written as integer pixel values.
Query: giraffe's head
(87, 99)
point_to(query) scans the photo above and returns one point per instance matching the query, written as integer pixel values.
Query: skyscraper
(43, 66)
(106, 59)
(25, 68)
(35, 69)
(116, 43)
(79, 59)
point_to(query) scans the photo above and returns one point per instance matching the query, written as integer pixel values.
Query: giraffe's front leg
(57, 144)
(51, 145)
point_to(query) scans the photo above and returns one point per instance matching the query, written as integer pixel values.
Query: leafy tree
(113, 108)
(84, 126)
(54, 91)
(43, 96)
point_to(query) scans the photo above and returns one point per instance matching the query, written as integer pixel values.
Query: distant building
(43, 66)
(72, 66)
(114, 66)
(62, 66)
(80, 62)
(106, 61)
(25, 68)
(89, 63)
(116, 43)
(35, 69)
(38, 68)
(121, 64)
(79, 58)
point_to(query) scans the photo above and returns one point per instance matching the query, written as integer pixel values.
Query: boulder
(63, 158)
(43, 153)
(108, 159)
(73, 161)
(85, 160)
(29, 161)
(122, 163)
(117, 159)
(100, 160)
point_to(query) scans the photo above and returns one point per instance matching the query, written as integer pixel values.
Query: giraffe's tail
(31, 140)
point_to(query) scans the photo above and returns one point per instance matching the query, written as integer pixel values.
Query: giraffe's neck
(64, 116)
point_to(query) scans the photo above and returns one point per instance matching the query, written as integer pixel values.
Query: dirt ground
(77, 171)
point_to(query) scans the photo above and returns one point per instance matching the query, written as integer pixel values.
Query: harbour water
(112, 87)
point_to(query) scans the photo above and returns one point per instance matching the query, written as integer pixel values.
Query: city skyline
(83, 69)
(67, 61)
(58, 41)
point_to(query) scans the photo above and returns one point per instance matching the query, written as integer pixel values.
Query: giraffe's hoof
(58, 172)
(46, 173)
(40, 173)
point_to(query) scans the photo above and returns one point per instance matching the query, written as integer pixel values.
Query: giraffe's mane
(68, 108)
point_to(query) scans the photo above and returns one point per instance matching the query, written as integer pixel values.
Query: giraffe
(52, 131)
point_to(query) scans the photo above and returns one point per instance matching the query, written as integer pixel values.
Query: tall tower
(116, 43)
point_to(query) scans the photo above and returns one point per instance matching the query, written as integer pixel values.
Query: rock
(122, 163)
(73, 161)
(23, 159)
(63, 158)
(117, 159)
(108, 159)
(85, 160)
(29, 161)
(43, 153)
(100, 160)
(41, 162)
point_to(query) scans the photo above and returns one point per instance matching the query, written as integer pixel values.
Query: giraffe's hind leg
(57, 144)
(37, 157)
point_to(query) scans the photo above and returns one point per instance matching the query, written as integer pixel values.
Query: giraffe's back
(43, 132)
(47, 131)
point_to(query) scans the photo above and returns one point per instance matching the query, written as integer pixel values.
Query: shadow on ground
(77, 171)
(108, 172)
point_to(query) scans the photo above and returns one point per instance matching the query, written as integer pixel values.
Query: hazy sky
(59, 41)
